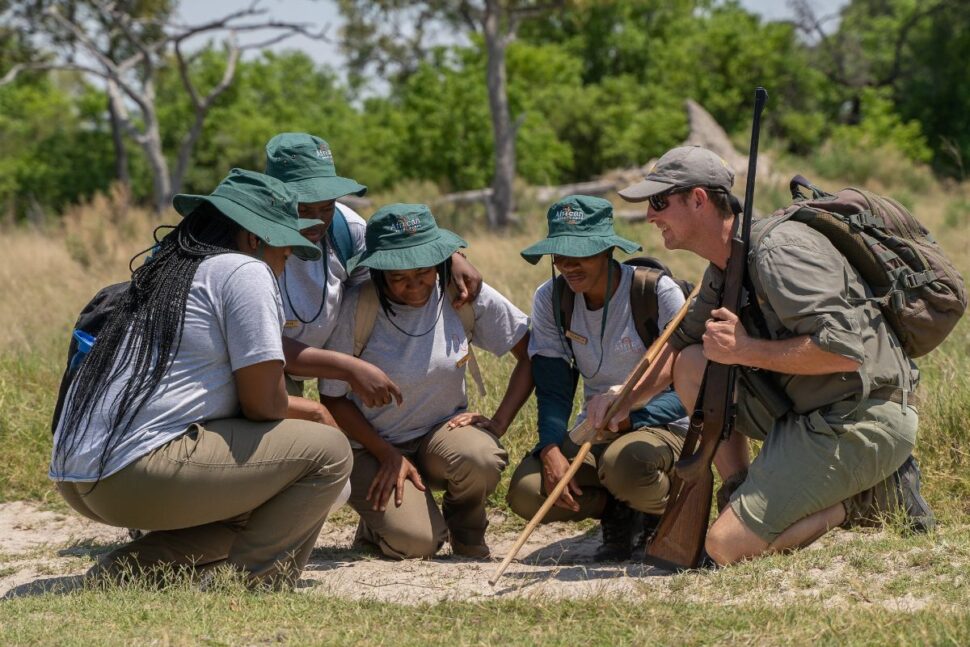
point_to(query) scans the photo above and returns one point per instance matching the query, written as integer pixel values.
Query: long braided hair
(380, 282)
(143, 334)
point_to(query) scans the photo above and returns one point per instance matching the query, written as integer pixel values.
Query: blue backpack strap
(340, 239)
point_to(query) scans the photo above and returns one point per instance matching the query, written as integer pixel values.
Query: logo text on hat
(324, 153)
(569, 215)
(407, 225)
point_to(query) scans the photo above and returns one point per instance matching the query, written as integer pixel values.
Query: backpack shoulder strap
(563, 300)
(364, 316)
(643, 302)
(466, 314)
(340, 239)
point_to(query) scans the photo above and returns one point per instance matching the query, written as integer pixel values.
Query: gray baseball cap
(684, 166)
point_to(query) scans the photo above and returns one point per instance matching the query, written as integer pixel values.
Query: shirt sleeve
(806, 284)
(499, 325)
(555, 382)
(341, 341)
(669, 300)
(252, 315)
(546, 339)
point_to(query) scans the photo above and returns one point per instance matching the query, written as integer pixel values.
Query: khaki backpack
(918, 289)
(368, 306)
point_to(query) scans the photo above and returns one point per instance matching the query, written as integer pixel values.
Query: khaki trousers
(633, 468)
(253, 494)
(465, 462)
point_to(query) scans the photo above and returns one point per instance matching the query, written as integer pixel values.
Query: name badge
(577, 337)
(291, 323)
(463, 360)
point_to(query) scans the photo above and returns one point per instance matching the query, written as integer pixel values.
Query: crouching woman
(175, 423)
(404, 323)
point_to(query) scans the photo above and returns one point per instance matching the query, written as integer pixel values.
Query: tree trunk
(161, 180)
(501, 204)
(122, 174)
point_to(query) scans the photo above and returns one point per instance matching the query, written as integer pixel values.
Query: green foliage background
(596, 86)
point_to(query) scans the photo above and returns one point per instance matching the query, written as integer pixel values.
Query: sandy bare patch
(40, 549)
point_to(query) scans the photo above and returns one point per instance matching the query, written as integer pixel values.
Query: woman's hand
(472, 419)
(554, 467)
(372, 385)
(394, 470)
(306, 409)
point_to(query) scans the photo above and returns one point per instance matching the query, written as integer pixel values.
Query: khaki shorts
(813, 461)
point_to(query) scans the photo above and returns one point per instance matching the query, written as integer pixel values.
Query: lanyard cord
(434, 323)
(606, 312)
(441, 306)
(323, 294)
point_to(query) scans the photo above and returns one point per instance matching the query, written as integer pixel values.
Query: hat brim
(643, 190)
(306, 223)
(323, 189)
(427, 254)
(272, 233)
(577, 246)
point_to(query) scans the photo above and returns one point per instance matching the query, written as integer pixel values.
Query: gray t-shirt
(428, 368)
(307, 285)
(233, 319)
(607, 360)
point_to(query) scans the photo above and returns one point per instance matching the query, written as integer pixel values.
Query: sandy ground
(43, 550)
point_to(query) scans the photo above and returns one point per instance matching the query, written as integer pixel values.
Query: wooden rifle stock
(679, 540)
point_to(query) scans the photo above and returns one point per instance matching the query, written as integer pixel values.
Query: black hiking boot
(619, 523)
(898, 495)
(649, 526)
(919, 514)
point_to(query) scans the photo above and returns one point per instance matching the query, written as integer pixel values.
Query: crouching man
(841, 455)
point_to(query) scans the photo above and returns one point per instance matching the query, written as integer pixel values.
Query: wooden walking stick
(584, 432)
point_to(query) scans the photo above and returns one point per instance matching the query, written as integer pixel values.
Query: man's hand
(598, 405)
(467, 279)
(725, 340)
(395, 469)
(554, 466)
(372, 385)
(472, 419)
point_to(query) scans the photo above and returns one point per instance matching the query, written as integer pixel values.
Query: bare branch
(15, 71)
(184, 75)
(83, 38)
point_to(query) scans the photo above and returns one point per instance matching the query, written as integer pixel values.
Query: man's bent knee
(730, 541)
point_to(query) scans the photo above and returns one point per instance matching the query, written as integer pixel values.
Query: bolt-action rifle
(679, 539)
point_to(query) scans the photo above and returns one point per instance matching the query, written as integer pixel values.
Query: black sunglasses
(661, 201)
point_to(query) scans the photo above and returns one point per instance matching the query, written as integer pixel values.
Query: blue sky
(324, 12)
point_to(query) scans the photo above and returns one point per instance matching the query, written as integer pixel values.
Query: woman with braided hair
(176, 420)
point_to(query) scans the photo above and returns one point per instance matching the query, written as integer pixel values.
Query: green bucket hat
(580, 226)
(404, 237)
(259, 204)
(305, 164)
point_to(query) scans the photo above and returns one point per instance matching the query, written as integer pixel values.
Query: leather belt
(894, 394)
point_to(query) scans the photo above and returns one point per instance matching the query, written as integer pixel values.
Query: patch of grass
(181, 615)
